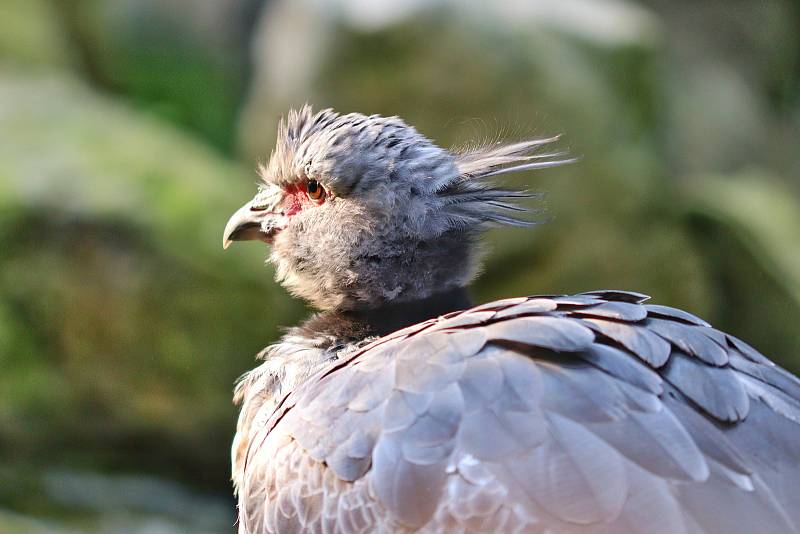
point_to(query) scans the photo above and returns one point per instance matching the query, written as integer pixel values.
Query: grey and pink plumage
(393, 411)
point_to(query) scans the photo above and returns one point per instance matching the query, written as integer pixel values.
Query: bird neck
(353, 326)
(393, 316)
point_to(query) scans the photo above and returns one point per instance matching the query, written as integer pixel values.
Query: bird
(400, 406)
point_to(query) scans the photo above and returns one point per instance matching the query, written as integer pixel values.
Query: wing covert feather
(590, 413)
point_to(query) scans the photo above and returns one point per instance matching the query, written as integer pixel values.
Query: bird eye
(314, 190)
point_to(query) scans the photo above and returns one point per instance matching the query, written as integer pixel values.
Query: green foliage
(123, 326)
(31, 36)
(162, 60)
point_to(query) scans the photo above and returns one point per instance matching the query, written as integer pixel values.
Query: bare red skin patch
(297, 199)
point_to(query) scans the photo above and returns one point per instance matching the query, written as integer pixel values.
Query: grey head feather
(403, 216)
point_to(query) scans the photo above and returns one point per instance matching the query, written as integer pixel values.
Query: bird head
(363, 210)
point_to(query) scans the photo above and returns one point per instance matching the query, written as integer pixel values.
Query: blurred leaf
(31, 36)
(182, 60)
(762, 214)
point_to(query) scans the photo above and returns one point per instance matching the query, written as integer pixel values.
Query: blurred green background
(130, 130)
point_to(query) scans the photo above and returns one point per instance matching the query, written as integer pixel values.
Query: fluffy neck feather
(356, 325)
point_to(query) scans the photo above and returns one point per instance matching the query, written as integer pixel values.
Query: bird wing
(586, 413)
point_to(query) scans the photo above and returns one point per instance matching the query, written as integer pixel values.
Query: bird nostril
(257, 208)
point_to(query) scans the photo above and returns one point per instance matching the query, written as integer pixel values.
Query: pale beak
(249, 224)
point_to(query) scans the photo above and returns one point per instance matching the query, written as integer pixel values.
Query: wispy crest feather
(472, 193)
(499, 158)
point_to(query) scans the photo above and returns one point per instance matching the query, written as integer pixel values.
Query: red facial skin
(297, 199)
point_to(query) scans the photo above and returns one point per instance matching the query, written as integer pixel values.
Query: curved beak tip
(236, 224)
(246, 225)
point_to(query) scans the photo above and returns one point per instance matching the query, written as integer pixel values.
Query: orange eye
(314, 190)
